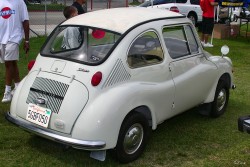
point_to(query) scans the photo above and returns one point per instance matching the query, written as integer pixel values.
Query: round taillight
(96, 79)
(31, 64)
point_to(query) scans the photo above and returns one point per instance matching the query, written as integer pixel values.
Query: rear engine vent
(52, 91)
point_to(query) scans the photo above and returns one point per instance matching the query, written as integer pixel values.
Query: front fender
(224, 65)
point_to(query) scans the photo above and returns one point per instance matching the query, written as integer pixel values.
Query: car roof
(120, 19)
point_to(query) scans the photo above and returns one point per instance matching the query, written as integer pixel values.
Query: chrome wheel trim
(221, 99)
(133, 138)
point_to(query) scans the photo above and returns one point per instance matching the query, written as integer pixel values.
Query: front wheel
(132, 138)
(220, 99)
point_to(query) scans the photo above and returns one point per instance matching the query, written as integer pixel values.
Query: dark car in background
(33, 1)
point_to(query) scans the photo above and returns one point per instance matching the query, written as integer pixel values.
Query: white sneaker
(13, 91)
(208, 45)
(7, 97)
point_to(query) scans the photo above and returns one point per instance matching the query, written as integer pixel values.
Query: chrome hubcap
(133, 138)
(221, 100)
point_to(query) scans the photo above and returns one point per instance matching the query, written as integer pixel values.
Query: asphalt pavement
(42, 23)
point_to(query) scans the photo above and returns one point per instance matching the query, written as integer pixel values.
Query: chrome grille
(52, 91)
(117, 74)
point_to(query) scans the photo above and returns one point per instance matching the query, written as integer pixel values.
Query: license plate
(38, 115)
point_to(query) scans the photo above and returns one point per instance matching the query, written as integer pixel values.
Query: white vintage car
(105, 79)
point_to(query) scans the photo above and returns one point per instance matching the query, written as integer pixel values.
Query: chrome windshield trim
(82, 144)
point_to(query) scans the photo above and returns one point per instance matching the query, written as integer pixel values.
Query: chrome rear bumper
(81, 144)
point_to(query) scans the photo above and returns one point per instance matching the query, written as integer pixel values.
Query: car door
(150, 72)
(192, 74)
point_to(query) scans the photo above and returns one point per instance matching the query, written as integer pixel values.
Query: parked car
(240, 11)
(126, 75)
(189, 8)
(34, 1)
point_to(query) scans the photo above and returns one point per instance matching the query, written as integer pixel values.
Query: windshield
(81, 44)
(155, 2)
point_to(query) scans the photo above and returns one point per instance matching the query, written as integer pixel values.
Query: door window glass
(191, 40)
(180, 41)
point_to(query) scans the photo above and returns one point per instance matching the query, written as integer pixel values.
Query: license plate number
(38, 115)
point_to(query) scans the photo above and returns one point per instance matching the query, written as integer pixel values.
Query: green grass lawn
(188, 140)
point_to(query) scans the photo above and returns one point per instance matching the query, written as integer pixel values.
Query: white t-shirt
(12, 15)
(72, 38)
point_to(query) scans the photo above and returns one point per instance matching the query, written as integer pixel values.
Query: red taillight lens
(31, 64)
(174, 9)
(96, 79)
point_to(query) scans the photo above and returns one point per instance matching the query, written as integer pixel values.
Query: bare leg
(11, 73)
(15, 73)
(206, 38)
(202, 37)
(8, 72)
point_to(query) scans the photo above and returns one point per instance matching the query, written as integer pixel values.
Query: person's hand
(26, 47)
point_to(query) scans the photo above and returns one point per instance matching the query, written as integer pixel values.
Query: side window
(195, 2)
(160, 2)
(180, 41)
(175, 41)
(181, 1)
(191, 40)
(145, 50)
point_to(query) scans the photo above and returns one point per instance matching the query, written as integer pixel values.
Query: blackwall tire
(132, 138)
(221, 98)
(192, 18)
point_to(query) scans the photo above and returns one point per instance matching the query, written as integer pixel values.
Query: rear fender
(103, 116)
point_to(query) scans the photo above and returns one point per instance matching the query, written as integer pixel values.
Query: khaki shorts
(9, 52)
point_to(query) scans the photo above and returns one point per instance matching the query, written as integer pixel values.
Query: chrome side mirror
(224, 50)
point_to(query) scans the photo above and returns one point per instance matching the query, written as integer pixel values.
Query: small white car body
(129, 70)
(189, 8)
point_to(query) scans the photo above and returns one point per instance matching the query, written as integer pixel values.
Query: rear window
(80, 44)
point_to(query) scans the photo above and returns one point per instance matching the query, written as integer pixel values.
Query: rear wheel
(220, 99)
(132, 138)
(192, 17)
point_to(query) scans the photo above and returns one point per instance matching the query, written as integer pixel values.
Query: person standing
(72, 37)
(14, 21)
(207, 7)
(79, 6)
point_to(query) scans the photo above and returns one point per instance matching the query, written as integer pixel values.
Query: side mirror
(224, 50)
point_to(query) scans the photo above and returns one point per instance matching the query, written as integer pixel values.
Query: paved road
(38, 20)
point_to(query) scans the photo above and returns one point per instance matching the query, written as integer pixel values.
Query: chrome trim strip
(82, 144)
